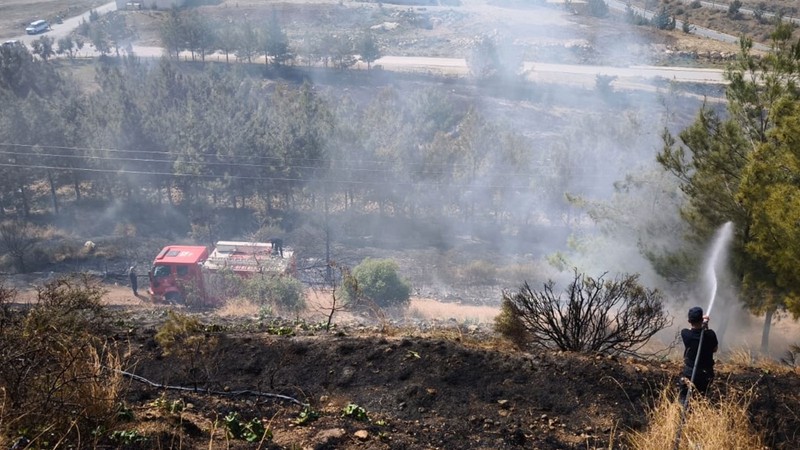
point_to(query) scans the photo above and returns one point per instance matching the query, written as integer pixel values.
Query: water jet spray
(721, 240)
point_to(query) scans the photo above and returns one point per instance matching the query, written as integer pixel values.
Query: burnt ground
(422, 384)
(447, 387)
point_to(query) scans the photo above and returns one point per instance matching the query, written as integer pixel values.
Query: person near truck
(704, 374)
(134, 280)
(277, 246)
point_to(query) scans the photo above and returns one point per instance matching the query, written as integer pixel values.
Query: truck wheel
(174, 298)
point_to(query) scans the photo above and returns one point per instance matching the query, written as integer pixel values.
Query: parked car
(38, 26)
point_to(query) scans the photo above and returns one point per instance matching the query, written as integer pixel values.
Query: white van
(37, 27)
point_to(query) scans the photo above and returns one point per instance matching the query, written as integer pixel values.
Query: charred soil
(390, 387)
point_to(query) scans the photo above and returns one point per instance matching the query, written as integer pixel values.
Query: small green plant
(124, 413)
(265, 313)
(126, 437)
(250, 431)
(356, 412)
(169, 406)
(306, 416)
(280, 330)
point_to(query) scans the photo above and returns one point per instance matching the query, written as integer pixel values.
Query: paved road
(581, 74)
(60, 30)
(537, 71)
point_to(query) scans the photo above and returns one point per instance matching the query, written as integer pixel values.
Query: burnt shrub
(591, 315)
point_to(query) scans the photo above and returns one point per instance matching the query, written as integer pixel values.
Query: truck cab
(177, 269)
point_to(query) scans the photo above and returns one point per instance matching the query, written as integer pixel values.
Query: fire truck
(184, 274)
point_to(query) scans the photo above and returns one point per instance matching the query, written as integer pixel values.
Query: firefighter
(134, 280)
(277, 246)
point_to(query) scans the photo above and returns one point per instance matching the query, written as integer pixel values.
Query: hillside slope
(449, 388)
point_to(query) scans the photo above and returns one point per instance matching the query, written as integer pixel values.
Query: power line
(248, 157)
(249, 163)
(239, 177)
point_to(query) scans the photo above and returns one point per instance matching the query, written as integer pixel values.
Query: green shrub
(509, 324)
(178, 331)
(378, 281)
(283, 293)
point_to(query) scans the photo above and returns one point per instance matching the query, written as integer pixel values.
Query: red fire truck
(184, 273)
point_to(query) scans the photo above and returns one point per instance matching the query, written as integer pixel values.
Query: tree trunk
(26, 209)
(76, 184)
(157, 186)
(53, 191)
(328, 274)
(765, 331)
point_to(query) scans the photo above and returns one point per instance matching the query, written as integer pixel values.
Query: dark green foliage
(634, 18)
(378, 281)
(597, 8)
(663, 19)
(368, 49)
(275, 42)
(43, 47)
(592, 315)
(734, 8)
(483, 59)
(724, 181)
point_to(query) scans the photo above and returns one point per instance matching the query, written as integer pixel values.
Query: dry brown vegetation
(723, 423)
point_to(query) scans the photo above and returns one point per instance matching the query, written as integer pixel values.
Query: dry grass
(428, 309)
(238, 307)
(707, 424)
(749, 359)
